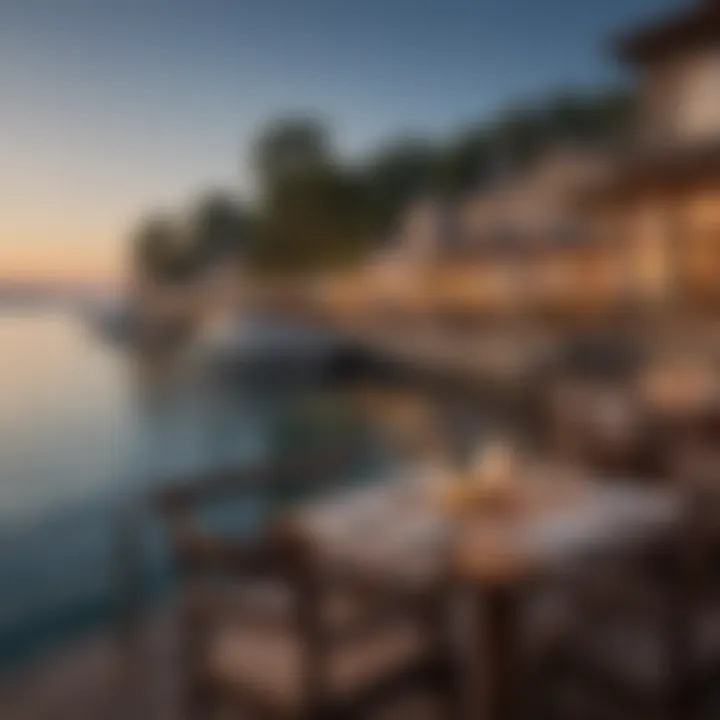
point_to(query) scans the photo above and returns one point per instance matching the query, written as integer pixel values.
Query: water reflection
(85, 431)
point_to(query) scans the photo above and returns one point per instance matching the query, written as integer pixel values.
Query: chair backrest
(250, 561)
(593, 424)
(196, 547)
(695, 469)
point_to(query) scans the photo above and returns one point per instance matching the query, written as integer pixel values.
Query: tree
(602, 118)
(290, 146)
(220, 230)
(466, 163)
(311, 220)
(393, 177)
(312, 208)
(315, 211)
(615, 111)
(161, 251)
(518, 136)
(521, 133)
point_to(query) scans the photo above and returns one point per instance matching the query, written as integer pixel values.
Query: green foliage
(518, 136)
(315, 211)
(161, 253)
(220, 230)
(596, 118)
(288, 147)
(311, 219)
(399, 172)
(468, 161)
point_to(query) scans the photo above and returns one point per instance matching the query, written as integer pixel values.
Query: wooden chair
(267, 631)
(643, 640)
(618, 655)
(598, 426)
(695, 467)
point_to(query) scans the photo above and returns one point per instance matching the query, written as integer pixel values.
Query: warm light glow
(52, 243)
(62, 263)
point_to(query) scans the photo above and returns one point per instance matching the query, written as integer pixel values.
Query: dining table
(403, 530)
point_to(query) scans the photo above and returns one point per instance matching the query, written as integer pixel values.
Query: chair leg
(198, 701)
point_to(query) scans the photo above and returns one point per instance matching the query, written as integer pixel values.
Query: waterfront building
(664, 193)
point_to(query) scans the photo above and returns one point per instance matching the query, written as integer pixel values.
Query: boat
(262, 341)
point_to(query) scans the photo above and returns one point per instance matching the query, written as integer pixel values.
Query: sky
(110, 109)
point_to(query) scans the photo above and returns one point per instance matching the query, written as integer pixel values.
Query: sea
(88, 430)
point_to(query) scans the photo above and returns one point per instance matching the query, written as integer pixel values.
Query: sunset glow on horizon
(117, 110)
(69, 262)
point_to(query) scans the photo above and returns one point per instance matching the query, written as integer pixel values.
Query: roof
(697, 26)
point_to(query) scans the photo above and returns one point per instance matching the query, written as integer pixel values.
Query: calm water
(84, 431)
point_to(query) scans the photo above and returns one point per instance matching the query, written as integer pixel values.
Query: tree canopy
(316, 209)
(397, 173)
(220, 230)
(288, 147)
(161, 253)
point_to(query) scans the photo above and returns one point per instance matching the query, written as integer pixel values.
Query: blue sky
(109, 108)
